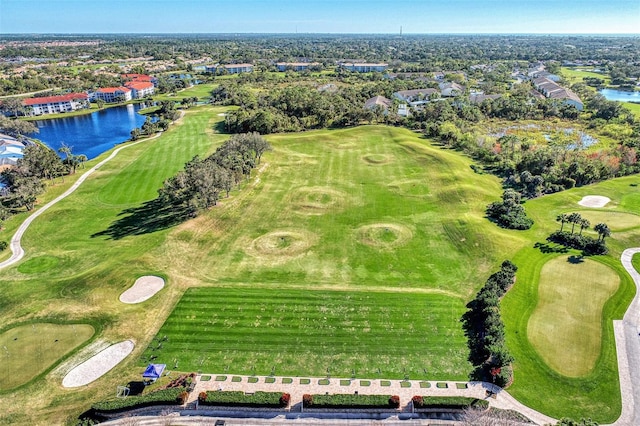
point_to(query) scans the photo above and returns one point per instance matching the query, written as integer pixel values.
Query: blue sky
(320, 16)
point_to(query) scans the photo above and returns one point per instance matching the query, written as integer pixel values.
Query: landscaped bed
(350, 401)
(448, 402)
(172, 396)
(241, 399)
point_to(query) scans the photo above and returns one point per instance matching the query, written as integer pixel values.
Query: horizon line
(322, 34)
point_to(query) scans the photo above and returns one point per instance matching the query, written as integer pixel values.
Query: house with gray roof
(553, 90)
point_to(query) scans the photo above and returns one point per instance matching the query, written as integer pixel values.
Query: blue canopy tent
(153, 371)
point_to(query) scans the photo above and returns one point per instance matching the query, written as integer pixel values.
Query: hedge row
(350, 401)
(448, 402)
(238, 398)
(161, 397)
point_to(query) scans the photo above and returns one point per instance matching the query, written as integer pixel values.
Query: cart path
(17, 252)
(628, 349)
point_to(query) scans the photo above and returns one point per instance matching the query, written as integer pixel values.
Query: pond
(91, 134)
(620, 95)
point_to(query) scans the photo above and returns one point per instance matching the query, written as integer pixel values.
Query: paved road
(628, 350)
(17, 252)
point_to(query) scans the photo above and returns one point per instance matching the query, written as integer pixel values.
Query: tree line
(484, 329)
(202, 181)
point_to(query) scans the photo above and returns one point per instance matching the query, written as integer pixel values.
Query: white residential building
(57, 104)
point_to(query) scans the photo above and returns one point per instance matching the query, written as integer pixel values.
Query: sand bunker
(384, 235)
(98, 365)
(594, 201)
(317, 200)
(144, 288)
(282, 243)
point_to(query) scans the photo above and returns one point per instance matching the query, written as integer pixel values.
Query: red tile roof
(139, 85)
(53, 99)
(137, 77)
(113, 89)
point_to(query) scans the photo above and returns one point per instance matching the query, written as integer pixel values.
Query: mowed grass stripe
(335, 326)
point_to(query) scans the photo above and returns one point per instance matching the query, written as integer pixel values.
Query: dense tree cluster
(509, 213)
(588, 245)
(485, 330)
(200, 184)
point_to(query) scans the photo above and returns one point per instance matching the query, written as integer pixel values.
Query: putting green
(29, 350)
(617, 221)
(566, 325)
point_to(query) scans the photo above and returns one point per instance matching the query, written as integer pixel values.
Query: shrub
(3, 245)
(285, 399)
(240, 399)
(307, 400)
(394, 401)
(350, 401)
(418, 401)
(182, 398)
(160, 397)
(202, 397)
(452, 402)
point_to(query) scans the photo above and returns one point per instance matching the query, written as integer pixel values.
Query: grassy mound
(384, 236)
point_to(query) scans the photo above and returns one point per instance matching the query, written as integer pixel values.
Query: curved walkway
(628, 349)
(16, 247)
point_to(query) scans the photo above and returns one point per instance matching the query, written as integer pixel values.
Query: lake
(620, 95)
(91, 134)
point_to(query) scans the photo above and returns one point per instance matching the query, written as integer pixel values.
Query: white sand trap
(98, 365)
(594, 201)
(144, 288)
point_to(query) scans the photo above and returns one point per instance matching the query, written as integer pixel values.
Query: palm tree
(573, 219)
(603, 231)
(584, 223)
(562, 218)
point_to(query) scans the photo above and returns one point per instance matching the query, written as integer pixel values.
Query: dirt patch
(317, 200)
(377, 159)
(384, 236)
(283, 244)
(98, 365)
(594, 201)
(143, 289)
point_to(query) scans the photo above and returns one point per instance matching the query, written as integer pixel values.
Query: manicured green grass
(597, 394)
(573, 75)
(307, 331)
(566, 325)
(617, 221)
(633, 107)
(425, 385)
(28, 350)
(370, 217)
(201, 91)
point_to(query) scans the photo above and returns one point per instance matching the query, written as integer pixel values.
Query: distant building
(364, 67)
(113, 94)
(450, 89)
(140, 89)
(378, 101)
(478, 98)
(296, 66)
(11, 150)
(416, 96)
(553, 90)
(230, 68)
(140, 78)
(57, 104)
